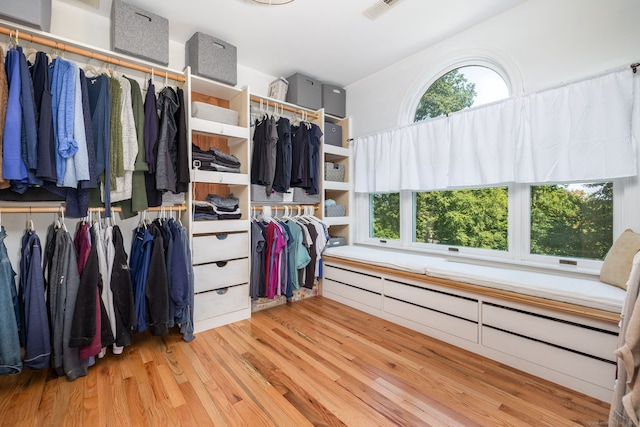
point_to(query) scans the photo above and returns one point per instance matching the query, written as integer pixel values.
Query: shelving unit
(339, 191)
(220, 248)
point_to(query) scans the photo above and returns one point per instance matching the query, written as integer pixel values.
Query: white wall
(539, 44)
(86, 25)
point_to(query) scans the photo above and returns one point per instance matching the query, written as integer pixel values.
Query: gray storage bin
(301, 196)
(304, 91)
(139, 33)
(33, 13)
(212, 58)
(332, 134)
(333, 172)
(336, 241)
(259, 194)
(334, 100)
(335, 210)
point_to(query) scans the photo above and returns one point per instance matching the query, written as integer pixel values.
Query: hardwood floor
(314, 362)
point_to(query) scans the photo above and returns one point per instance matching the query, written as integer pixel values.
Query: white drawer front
(576, 365)
(584, 340)
(371, 283)
(364, 297)
(220, 247)
(451, 304)
(440, 321)
(222, 301)
(220, 274)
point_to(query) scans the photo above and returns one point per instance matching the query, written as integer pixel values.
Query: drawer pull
(222, 236)
(222, 291)
(222, 263)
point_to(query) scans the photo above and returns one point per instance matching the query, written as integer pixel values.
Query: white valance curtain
(578, 132)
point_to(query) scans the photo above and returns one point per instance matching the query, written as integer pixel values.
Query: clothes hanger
(91, 70)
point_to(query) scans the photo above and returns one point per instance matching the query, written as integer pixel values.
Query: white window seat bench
(560, 328)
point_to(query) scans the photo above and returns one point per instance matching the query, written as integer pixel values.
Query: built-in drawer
(594, 371)
(220, 274)
(454, 305)
(573, 336)
(363, 281)
(441, 321)
(220, 301)
(220, 247)
(352, 293)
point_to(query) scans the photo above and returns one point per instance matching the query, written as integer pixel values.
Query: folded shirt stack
(216, 207)
(214, 159)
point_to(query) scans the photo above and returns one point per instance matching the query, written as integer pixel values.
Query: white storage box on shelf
(278, 89)
(202, 110)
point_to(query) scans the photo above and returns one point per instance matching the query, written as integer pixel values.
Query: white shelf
(211, 88)
(211, 177)
(235, 133)
(336, 151)
(336, 220)
(220, 226)
(336, 186)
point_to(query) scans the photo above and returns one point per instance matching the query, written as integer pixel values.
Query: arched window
(461, 88)
(558, 223)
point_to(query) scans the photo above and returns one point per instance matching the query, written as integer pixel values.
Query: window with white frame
(559, 222)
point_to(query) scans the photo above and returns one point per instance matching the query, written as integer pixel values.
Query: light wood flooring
(314, 362)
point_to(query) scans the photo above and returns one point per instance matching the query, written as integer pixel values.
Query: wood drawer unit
(454, 305)
(352, 293)
(595, 371)
(438, 320)
(220, 247)
(572, 336)
(220, 301)
(220, 274)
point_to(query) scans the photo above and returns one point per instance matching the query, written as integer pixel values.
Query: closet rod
(284, 107)
(282, 208)
(52, 209)
(90, 54)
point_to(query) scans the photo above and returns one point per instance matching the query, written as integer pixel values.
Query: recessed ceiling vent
(379, 8)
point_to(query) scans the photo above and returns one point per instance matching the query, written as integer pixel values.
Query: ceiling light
(273, 2)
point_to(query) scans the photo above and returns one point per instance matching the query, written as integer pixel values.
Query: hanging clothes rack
(284, 107)
(67, 47)
(285, 207)
(56, 209)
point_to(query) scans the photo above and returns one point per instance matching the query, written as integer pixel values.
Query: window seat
(560, 328)
(582, 292)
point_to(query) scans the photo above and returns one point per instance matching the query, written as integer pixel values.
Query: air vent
(380, 7)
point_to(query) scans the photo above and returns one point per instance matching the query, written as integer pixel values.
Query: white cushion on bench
(584, 292)
(412, 263)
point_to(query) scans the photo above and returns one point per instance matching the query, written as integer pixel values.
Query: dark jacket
(37, 344)
(165, 161)
(156, 288)
(122, 289)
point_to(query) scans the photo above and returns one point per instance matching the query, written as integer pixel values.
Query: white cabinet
(220, 248)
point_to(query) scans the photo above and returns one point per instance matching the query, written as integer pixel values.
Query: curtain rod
(56, 209)
(90, 54)
(284, 107)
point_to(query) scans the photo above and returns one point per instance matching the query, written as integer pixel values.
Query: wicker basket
(335, 210)
(333, 172)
